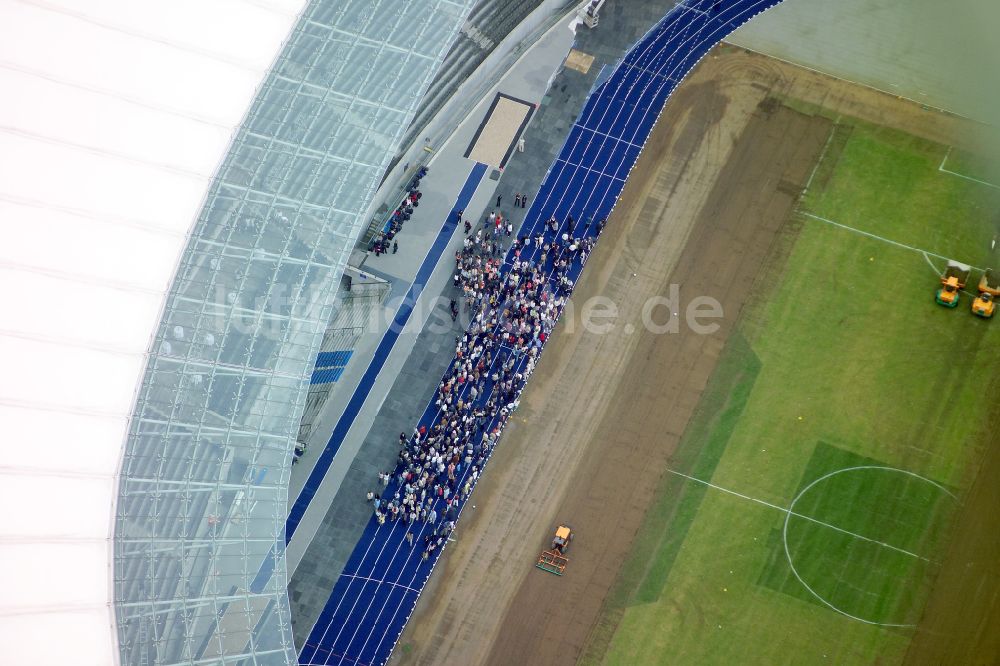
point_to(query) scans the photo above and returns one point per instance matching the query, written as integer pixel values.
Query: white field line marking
(944, 159)
(962, 175)
(930, 263)
(788, 553)
(940, 271)
(799, 515)
(904, 246)
(970, 178)
(822, 155)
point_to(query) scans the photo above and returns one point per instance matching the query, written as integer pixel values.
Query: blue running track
(378, 589)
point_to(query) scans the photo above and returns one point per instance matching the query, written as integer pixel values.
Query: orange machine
(952, 282)
(554, 560)
(989, 289)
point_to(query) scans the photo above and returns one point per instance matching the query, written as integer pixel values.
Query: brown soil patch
(960, 621)
(579, 61)
(499, 131)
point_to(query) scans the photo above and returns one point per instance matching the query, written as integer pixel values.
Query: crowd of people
(512, 313)
(385, 241)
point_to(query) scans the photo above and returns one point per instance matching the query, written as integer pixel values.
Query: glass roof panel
(203, 490)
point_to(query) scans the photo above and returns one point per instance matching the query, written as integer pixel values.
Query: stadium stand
(490, 22)
(355, 309)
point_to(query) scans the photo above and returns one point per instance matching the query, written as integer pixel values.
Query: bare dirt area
(960, 621)
(603, 413)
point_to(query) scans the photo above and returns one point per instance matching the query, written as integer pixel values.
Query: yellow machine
(989, 289)
(554, 560)
(952, 282)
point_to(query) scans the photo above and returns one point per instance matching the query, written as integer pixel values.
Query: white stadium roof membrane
(115, 117)
(180, 185)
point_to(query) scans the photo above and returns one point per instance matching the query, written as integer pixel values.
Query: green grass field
(835, 434)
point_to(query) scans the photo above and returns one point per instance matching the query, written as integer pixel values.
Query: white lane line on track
(664, 80)
(582, 122)
(520, 363)
(392, 528)
(385, 542)
(380, 582)
(646, 71)
(533, 226)
(589, 170)
(605, 134)
(798, 515)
